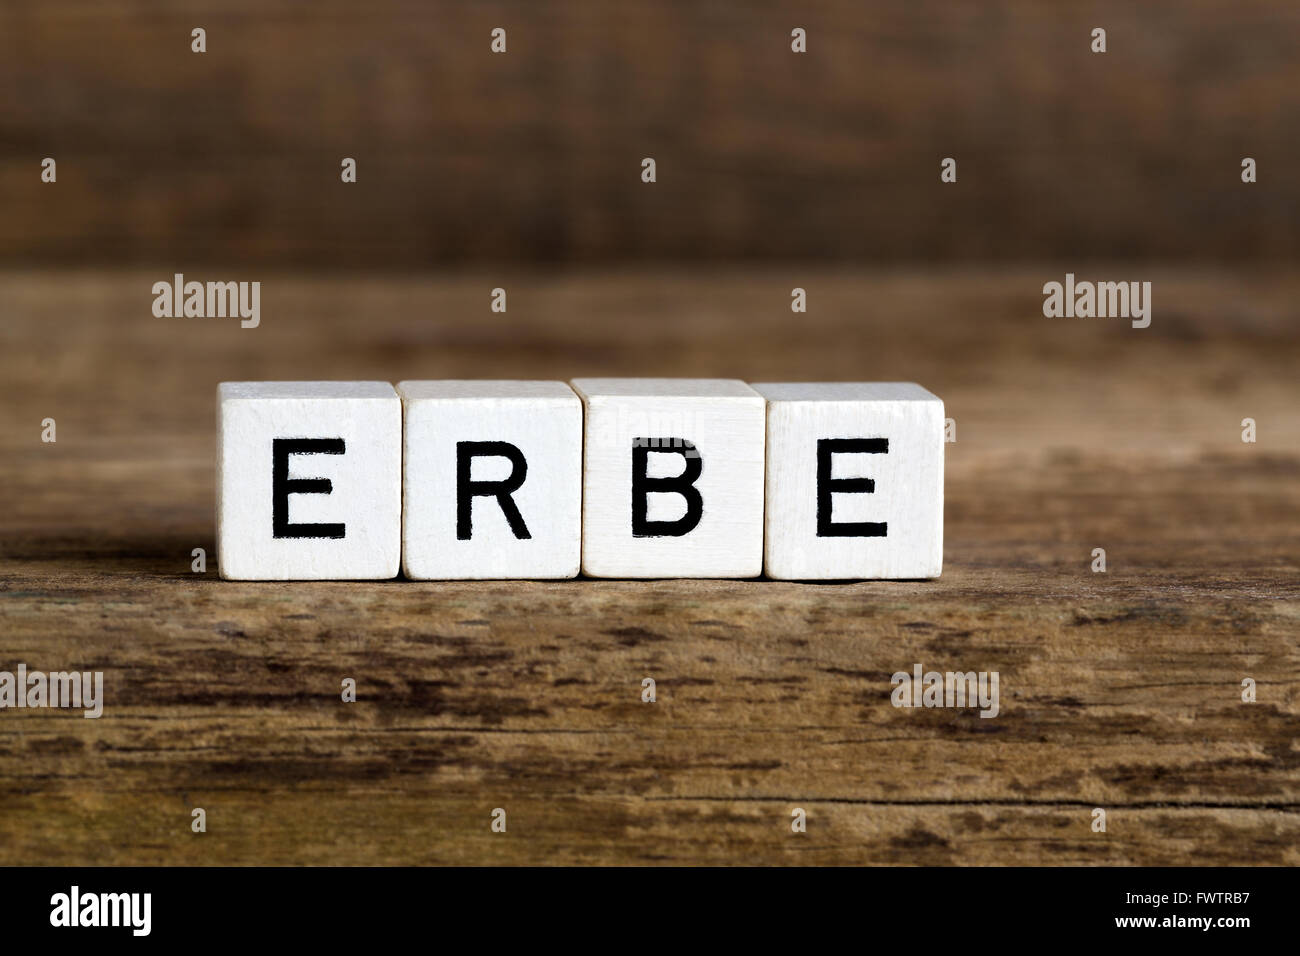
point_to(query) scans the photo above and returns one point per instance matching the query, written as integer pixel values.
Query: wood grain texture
(177, 159)
(1119, 691)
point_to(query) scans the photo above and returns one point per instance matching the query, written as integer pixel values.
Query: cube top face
(673, 483)
(291, 391)
(308, 480)
(492, 480)
(845, 392)
(671, 389)
(487, 390)
(854, 481)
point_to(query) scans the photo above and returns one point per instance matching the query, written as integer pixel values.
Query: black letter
(683, 484)
(466, 490)
(282, 486)
(826, 528)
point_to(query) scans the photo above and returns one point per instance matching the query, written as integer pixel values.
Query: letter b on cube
(854, 481)
(673, 483)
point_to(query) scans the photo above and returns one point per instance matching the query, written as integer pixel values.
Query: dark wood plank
(1119, 691)
(232, 156)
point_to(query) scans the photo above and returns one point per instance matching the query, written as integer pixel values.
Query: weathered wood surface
(233, 155)
(1119, 691)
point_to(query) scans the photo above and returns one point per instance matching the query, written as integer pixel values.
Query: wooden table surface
(1119, 690)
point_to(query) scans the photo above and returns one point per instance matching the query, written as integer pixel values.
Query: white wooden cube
(854, 481)
(492, 480)
(673, 478)
(309, 480)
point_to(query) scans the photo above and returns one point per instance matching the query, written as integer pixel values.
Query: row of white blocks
(616, 477)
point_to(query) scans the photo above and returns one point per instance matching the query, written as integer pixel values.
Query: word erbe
(618, 478)
(1116, 300)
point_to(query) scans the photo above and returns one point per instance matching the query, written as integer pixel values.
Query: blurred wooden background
(172, 159)
(775, 170)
